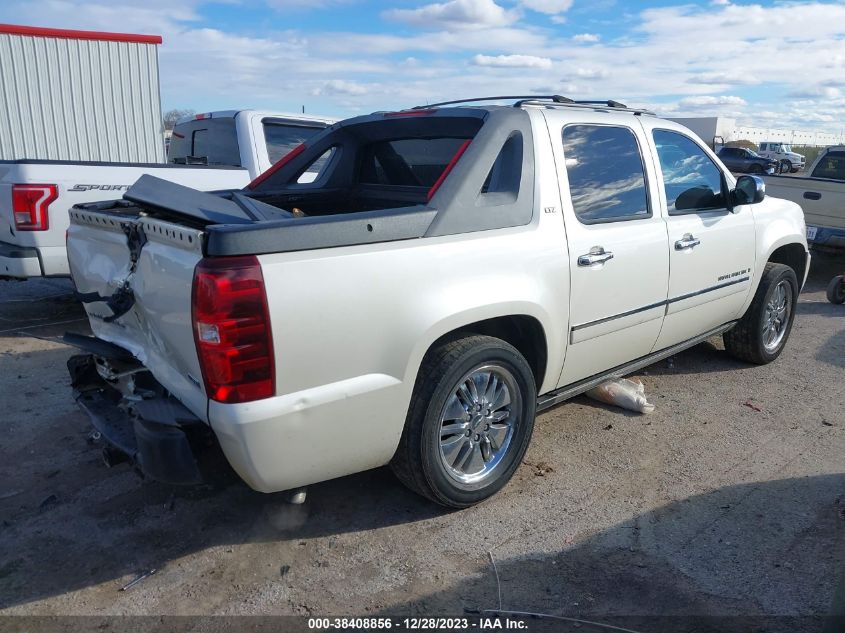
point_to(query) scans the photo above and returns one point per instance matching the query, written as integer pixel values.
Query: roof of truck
(229, 114)
(552, 101)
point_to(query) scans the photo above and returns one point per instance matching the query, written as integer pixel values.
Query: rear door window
(606, 175)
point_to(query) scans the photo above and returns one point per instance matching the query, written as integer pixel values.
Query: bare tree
(171, 116)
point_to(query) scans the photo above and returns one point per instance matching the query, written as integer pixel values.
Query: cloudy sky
(764, 63)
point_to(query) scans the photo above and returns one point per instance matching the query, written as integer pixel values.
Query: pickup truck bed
(39, 250)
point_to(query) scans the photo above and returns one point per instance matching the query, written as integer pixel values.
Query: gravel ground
(729, 499)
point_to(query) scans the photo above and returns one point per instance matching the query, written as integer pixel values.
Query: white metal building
(726, 129)
(79, 95)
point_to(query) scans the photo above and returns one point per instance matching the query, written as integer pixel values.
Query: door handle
(687, 241)
(812, 195)
(597, 255)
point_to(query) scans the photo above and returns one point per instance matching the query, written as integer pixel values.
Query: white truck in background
(821, 195)
(788, 160)
(211, 151)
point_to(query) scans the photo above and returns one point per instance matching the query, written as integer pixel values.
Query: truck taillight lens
(30, 205)
(232, 329)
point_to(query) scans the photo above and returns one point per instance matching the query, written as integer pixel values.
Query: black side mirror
(748, 190)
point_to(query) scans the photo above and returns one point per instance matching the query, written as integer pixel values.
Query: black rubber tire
(785, 166)
(745, 340)
(836, 290)
(417, 461)
(755, 169)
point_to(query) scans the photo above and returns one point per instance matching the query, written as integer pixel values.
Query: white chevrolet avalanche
(450, 271)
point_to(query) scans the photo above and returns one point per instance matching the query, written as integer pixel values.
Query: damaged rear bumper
(154, 432)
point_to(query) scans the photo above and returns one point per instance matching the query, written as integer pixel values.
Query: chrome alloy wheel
(776, 316)
(478, 422)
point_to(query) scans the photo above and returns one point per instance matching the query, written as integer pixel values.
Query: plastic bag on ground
(628, 394)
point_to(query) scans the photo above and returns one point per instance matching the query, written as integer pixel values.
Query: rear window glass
(831, 166)
(281, 138)
(205, 142)
(414, 162)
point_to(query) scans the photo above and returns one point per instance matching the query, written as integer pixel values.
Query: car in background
(782, 153)
(745, 161)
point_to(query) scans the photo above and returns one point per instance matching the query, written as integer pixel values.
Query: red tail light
(30, 204)
(232, 329)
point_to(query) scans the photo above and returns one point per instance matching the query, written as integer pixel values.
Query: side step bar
(557, 396)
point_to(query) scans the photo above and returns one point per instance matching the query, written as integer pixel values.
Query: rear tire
(836, 290)
(761, 334)
(469, 422)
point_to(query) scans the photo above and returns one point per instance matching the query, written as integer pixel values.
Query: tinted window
(831, 166)
(606, 176)
(281, 138)
(691, 180)
(205, 141)
(506, 173)
(416, 162)
(317, 167)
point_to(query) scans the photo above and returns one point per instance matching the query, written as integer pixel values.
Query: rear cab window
(832, 166)
(392, 157)
(282, 136)
(411, 162)
(607, 180)
(205, 141)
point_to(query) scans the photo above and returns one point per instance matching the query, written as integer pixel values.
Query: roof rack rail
(553, 98)
(610, 103)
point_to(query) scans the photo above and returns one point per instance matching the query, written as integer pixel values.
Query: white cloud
(550, 7)
(813, 92)
(680, 59)
(591, 73)
(730, 77)
(339, 87)
(708, 100)
(512, 61)
(455, 14)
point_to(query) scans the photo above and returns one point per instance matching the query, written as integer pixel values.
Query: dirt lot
(729, 499)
